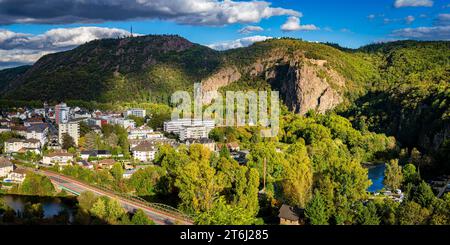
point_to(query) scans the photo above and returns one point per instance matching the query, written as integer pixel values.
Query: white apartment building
(38, 132)
(70, 128)
(175, 126)
(124, 123)
(144, 132)
(193, 132)
(60, 158)
(22, 145)
(135, 112)
(145, 152)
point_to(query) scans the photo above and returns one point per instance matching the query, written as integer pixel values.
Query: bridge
(160, 213)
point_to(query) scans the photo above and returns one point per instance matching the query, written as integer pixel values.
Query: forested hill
(411, 100)
(123, 69)
(398, 88)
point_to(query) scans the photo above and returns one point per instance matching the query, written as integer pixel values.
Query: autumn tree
(298, 180)
(393, 175)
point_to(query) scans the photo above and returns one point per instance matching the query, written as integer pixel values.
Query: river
(51, 205)
(376, 175)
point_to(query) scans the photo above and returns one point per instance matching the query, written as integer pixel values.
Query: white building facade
(70, 128)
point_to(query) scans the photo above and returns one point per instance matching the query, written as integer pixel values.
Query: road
(158, 216)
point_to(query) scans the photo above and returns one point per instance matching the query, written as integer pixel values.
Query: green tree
(99, 208)
(222, 213)
(298, 180)
(140, 218)
(393, 175)
(316, 210)
(35, 184)
(145, 181)
(424, 195)
(86, 200)
(411, 213)
(410, 174)
(117, 171)
(67, 141)
(367, 215)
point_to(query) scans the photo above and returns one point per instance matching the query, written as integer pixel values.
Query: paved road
(158, 216)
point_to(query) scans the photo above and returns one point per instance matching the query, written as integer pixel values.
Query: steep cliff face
(304, 84)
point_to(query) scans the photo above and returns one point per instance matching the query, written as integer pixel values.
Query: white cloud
(293, 24)
(424, 33)
(409, 19)
(193, 12)
(371, 16)
(413, 3)
(250, 29)
(238, 43)
(22, 48)
(442, 20)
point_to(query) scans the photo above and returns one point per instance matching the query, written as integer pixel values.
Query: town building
(193, 132)
(70, 128)
(176, 126)
(22, 146)
(145, 152)
(60, 158)
(144, 132)
(96, 121)
(17, 176)
(205, 142)
(135, 112)
(4, 129)
(6, 167)
(62, 113)
(95, 154)
(85, 164)
(288, 215)
(38, 132)
(127, 174)
(33, 121)
(19, 130)
(123, 122)
(106, 163)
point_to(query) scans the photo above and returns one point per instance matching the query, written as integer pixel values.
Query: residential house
(22, 146)
(85, 164)
(97, 122)
(4, 129)
(33, 121)
(95, 153)
(135, 112)
(19, 130)
(17, 176)
(6, 167)
(127, 174)
(145, 151)
(106, 163)
(205, 142)
(288, 215)
(60, 158)
(38, 132)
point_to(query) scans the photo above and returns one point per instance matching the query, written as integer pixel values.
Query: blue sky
(28, 31)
